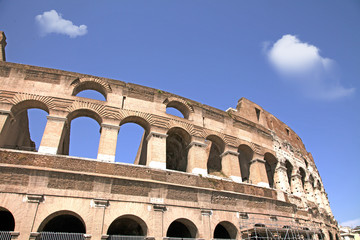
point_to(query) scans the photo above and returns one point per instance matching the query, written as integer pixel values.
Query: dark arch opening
(215, 149)
(7, 221)
(67, 223)
(302, 174)
(225, 230)
(182, 228)
(128, 225)
(245, 156)
(25, 130)
(91, 94)
(289, 169)
(331, 236)
(270, 165)
(177, 144)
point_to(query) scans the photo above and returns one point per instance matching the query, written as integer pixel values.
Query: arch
(16, 130)
(82, 112)
(81, 84)
(215, 149)
(270, 165)
(181, 105)
(182, 228)
(245, 156)
(7, 220)
(28, 104)
(311, 180)
(289, 169)
(177, 144)
(63, 221)
(303, 176)
(225, 230)
(330, 235)
(128, 225)
(138, 120)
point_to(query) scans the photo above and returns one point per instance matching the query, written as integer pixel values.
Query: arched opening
(174, 111)
(128, 225)
(214, 150)
(25, 130)
(7, 221)
(182, 228)
(174, 107)
(177, 142)
(245, 156)
(84, 134)
(289, 169)
(91, 94)
(89, 85)
(337, 236)
(302, 175)
(320, 235)
(225, 230)
(331, 236)
(63, 222)
(131, 146)
(270, 164)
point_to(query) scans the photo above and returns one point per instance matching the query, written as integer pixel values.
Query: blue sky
(299, 60)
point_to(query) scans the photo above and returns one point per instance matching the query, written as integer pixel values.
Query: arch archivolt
(186, 104)
(192, 223)
(80, 84)
(188, 127)
(24, 101)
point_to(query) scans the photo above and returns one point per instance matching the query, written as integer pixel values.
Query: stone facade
(201, 174)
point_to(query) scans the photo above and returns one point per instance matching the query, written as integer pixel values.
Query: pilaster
(258, 174)
(108, 141)
(156, 150)
(53, 133)
(197, 158)
(230, 165)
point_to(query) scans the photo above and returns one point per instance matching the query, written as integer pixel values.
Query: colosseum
(213, 174)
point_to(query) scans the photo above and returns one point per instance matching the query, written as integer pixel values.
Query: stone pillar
(156, 150)
(326, 203)
(158, 230)
(281, 178)
(2, 46)
(296, 185)
(107, 144)
(309, 191)
(206, 219)
(318, 197)
(197, 158)
(258, 174)
(230, 165)
(53, 134)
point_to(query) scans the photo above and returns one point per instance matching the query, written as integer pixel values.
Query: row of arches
(126, 225)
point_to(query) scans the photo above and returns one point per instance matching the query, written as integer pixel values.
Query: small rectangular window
(257, 113)
(287, 131)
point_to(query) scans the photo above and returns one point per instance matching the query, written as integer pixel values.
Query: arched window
(182, 228)
(128, 225)
(289, 169)
(25, 130)
(64, 222)
(174, 111)
(215, 149)
(270, 164)
(176, 149)
(92, 94)
(225, 230)
(7, 221)
(178, 108)
(245, 156)
(303, 175)
(84, 134)
(131, 144)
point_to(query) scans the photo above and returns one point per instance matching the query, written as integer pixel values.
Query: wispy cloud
(302, 64)
(351, 223)
(52, 22)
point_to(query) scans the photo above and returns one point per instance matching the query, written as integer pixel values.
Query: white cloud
(302, 64)
(351, 223)
(52, 22)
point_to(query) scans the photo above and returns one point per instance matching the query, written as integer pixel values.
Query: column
(53, 134)
(230, 165)
(258, 174)
(296, 185)
(309, 191)
(281, 178)
(156, 150)
(197, 158)
(206, 219)
(107, 144)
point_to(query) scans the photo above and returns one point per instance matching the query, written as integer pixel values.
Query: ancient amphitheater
(234, 174)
